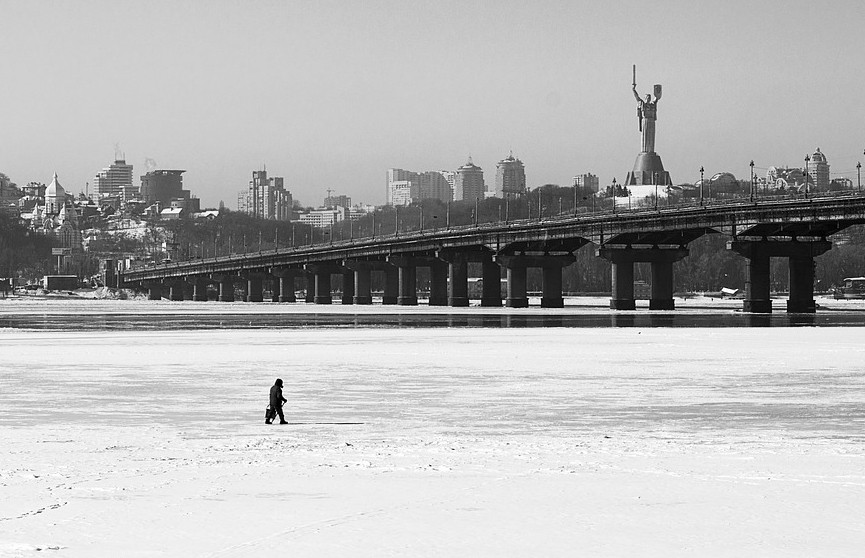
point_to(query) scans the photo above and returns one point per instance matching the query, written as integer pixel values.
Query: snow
(456, 441)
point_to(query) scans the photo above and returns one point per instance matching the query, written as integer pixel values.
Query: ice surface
(431, 442)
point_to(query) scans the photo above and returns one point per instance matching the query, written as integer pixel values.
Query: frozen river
(136, 429)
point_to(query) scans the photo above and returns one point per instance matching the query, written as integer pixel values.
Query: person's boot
(267, 421)
(283, 422)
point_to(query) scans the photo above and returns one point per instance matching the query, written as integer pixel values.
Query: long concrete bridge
(796, 229)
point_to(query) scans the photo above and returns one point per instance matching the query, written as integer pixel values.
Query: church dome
(54, 190)
(818, 157)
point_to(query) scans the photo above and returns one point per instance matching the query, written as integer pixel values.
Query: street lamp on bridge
(701, 185)
(752, 179)
(859, 177)
(805, 173)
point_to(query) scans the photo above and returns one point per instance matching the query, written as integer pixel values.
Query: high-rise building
(510, 177)
(400, 192)
(403, 184)
(587, 181)
(266, 198)
(337, 201)
(405, 187)
(434, 185)
(115, 180)
(162, 186)
(818, 170)
(469, 182)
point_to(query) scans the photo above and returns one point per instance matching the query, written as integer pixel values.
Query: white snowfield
(444, 442)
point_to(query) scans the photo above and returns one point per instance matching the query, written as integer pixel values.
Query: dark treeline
(22, 252)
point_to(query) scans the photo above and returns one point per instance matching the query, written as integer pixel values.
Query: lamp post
(752, 179)
(613, 191)
(701, 185)
(805, 173)
(655, 180)
(859, 177)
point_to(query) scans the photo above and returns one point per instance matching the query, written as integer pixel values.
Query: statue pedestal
(648, 170)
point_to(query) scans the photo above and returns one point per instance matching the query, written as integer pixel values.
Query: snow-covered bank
(418, 442)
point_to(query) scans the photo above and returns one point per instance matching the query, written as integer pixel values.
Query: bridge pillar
(491, 294)
(309, 294)
(516, 272)
(362, 285)
(254, 287)
(348, 286)
(801, 265)
(801, 286)
(226, 287)
(283, 290)
(391, 285)
(552, 285)
(286, 288)
(360, 273)
(154, 290)
(458, 272)
(321, 280)
(407, 278)
(199, 289)
(622, 261)
(176, 289)
(438, 291)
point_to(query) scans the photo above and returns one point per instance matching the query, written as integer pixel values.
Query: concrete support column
(321, 274)
(199, 289)
(362, 281)
(757, 254)
(176, 290)
(347, 286)
(286, 289)
(254, 288)
(552, 286)
(226, 288)
(458, 271)
(662, 286)
(492, 283)
(310, 288)
(801, 285)
(154, 291)
(622, 279)
(516, 273)
(407, 282)
(438, 292)
(517, 295)
(283, 284)
(391, 285)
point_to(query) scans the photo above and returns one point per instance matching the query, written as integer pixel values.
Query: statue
(648, 168)
(647, 113)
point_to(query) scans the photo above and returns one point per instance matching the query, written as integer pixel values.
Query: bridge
(758, 230)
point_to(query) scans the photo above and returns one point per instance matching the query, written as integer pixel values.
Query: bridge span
(796, 229)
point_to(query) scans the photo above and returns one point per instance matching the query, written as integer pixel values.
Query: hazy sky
(332, 94)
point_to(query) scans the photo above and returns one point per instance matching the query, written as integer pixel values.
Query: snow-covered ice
(431, 442)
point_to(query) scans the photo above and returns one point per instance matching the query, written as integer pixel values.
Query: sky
(330, 95)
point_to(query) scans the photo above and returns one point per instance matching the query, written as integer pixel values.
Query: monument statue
(648, 168)
(647, 113)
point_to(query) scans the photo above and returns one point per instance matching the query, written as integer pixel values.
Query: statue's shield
(657, 91)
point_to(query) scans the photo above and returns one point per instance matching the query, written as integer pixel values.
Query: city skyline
(555, 89)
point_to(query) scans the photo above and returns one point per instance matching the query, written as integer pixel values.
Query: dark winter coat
(276, 398)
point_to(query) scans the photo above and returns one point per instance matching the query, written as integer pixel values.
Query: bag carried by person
(269, 413)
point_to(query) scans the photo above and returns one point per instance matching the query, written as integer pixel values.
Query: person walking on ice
(276, 401)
